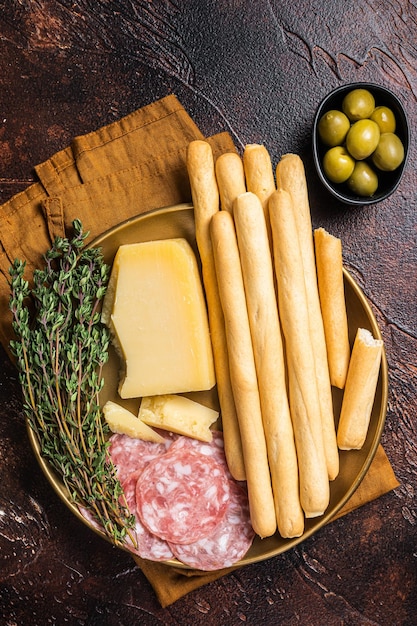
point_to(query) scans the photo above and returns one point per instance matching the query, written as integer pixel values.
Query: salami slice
(228, 543)
(130, 455)
(182, 495)
(213, 449)
(149, 546)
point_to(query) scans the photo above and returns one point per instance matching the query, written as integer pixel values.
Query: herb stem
(60, 351)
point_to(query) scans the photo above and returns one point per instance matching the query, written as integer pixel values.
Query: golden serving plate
(178, 221)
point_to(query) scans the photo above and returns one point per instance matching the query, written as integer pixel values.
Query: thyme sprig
(61, 347)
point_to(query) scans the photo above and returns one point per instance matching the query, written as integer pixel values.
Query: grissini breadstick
(259, 173)
(259, 176)
(205, 195)
(290, 176)
(303, 388)
(258, 278)
(333, 305)
(230, 179)
(243, 373)
(359, 394)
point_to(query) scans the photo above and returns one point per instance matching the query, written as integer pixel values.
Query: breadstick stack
(291, 177)
(205, 195)
(243, 373)
(302, 379)
(279, 330)
(265, 330)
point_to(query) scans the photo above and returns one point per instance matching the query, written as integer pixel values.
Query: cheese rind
(156, 311)
(122, 421)
(179, 415)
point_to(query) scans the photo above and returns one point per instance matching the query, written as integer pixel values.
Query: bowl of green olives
(360, 143)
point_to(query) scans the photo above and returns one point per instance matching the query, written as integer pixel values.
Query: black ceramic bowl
(387, 181)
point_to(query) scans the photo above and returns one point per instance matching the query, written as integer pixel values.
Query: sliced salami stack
(185, 502)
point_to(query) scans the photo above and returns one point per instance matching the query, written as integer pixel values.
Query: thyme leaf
(61, 346)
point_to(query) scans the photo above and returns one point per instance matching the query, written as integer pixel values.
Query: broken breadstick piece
(333, 305)
(360, 389)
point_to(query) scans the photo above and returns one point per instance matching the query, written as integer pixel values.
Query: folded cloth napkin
(105, 177)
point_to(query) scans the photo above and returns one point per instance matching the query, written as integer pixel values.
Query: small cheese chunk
(157, 315)
(122, 421)
(179, 415)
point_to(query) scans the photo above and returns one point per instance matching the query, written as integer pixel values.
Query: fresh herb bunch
(60, 352)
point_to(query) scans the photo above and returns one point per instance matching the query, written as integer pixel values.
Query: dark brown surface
(257, 69)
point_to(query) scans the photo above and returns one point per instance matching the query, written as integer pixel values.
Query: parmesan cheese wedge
(179, 415)
(123, 422)
(156, 312)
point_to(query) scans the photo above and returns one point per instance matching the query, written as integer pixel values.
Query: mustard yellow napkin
(105, 177)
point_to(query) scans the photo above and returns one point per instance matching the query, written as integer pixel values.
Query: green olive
(333, 127)
(363, 181)
(385, 119)
(358, 104)
(362, 138)
(389, 153)
(338, 164)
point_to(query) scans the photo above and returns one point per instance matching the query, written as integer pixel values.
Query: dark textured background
(257, 69)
